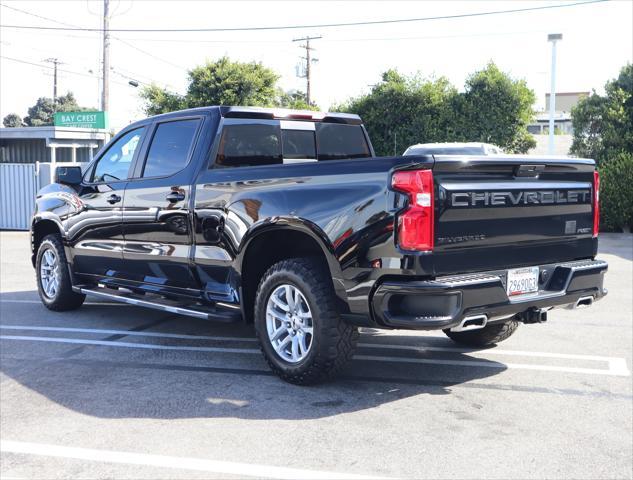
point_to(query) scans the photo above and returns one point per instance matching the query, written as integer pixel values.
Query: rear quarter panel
(345, 204)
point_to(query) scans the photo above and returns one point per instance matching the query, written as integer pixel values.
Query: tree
(616, 192)
(222, 82)
(41, 114)
(603, 125)
(12, 120)
(402, 111)
(158, 100)
(496, 109)
(293, 99)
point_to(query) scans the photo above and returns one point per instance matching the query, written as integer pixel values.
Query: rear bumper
(446, 301)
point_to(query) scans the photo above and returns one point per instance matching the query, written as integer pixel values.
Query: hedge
(616, 193)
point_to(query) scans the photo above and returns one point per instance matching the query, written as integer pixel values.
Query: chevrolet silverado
(287, 220)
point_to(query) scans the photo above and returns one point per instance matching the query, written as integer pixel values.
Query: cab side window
(116, 161)
(249, 145)
(336, 141)
(170, 148)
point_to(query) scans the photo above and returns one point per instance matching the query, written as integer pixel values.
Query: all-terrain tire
(485, 337)
(62, 297)
(333, 341)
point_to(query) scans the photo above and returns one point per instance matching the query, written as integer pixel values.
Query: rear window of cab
(271, 143)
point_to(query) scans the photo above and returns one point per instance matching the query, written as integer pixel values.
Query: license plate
(522, 281)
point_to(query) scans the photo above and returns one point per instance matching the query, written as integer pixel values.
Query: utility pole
(308, 58)
(552, 37)
(55, 62)
(105, 92)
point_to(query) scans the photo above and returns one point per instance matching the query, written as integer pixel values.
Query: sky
(597, 42)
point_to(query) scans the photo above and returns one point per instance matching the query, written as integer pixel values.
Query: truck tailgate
(500, 212)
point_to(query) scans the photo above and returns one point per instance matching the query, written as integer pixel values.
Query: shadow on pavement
(110, 382)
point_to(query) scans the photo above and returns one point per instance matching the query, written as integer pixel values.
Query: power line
(37, 16)
(338, 39)
(149, 54)
(321, 25)
(46, 66)
(325, 40)
(51, 68)
(118, 70)
(75, 27)
(47, 51)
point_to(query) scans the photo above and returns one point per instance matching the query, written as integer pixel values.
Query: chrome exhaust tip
(471, 323)
(584, 302)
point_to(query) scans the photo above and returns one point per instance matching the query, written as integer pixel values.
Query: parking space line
(166, 461)
(619, 365)
(616, 364)
(619, 370)
(493, 364)
(108, 343)
(127, 332)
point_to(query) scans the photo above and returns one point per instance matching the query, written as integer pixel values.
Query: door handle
(174, 197)
(112, 199)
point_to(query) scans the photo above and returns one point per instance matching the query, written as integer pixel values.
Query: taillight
(415, 224)
(596, 203)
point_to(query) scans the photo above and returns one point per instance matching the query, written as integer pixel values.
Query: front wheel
(485, 337)
(53, 278)
(300, 331)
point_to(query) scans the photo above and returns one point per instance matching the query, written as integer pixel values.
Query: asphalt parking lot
(113, 391)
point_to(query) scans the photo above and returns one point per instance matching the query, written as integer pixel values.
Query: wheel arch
(40, 228)
(277, 239)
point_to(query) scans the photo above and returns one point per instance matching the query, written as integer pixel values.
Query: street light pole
(105, 92)
(552, 37)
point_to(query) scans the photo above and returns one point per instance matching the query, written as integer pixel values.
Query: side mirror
(68, 175)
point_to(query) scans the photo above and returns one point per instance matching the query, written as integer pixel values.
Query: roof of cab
(284, 113)
(450, 145)
(260, 112)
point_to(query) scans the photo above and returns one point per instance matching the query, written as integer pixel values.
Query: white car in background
(467, 148)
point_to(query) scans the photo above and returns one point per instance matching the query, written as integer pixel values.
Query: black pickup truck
(288, 220)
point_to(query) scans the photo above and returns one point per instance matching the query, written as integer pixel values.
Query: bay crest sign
(81, 119)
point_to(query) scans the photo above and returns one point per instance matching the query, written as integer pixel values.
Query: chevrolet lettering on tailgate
(475, 199)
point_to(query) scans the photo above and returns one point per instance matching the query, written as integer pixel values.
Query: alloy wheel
(289, 323)
(49, 273)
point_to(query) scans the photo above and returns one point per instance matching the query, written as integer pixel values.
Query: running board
(159, 303)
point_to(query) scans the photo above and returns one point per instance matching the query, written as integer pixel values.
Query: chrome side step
(156, 305)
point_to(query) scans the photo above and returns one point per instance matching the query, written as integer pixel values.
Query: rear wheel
(53, 278)
(300, 331)
(485, 337)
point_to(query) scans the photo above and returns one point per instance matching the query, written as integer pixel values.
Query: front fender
(53, 204)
